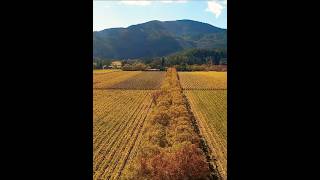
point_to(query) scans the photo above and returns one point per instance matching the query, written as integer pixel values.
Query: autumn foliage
(170, 150)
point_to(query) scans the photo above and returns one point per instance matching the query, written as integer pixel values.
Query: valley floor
(122, 107)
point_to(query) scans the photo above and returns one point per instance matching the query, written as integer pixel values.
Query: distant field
(203, 80)
(138, 80)
(105, 70)
(210, 110)
(118, 120)
(106, 80)
(143, 80)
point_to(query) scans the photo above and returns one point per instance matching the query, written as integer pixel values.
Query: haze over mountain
(157, 38)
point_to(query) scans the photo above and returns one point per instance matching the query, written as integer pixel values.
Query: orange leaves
(191, 162)
(185, 163)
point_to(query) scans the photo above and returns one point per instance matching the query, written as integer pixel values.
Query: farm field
(120, 112)
(97, 71)
(127, 80)
(210, 109)
(118, 120)
(144, 80)
(125, 113)
(105, 80)
(203, 80)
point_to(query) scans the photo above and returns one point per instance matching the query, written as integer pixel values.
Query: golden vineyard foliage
(102, 71)
(119, 117)
(108, 79)
(118, 79)
(203, 80)
(210, 109)
(142, 81)
(170, 150)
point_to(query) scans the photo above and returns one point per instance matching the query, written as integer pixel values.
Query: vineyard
(144, 80)
(171, 147)
(210, 108)
(101, 71)
(203, 80)
(119, 117)
(105, 80)
(207, 95)
(149, 125)
(121, 111)
(128, 80)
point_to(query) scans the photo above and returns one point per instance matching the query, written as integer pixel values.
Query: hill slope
(156, 38)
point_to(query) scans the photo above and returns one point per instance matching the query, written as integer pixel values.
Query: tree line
(187, 60)
(198, 57)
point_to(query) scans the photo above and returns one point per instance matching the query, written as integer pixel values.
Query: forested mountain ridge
(156, 38)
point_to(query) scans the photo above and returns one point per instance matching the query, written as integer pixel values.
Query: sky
(112, 14)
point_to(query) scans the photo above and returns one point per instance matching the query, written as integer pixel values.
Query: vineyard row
(171, 148)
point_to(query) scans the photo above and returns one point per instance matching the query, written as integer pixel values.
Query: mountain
(156, 38)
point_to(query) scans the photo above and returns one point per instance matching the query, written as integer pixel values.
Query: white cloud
(167, 1)
(148, 2)
(216, 6)
(174, 1)
(137, 2)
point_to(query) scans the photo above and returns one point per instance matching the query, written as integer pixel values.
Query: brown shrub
(155, 96)
(162, 117)
(182, 121)
(186, 136)
(178, 111)
(164, 102)
(186, 163)
(183, 128)
(157, 137)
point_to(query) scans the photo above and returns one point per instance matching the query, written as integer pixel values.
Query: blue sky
(110, 14)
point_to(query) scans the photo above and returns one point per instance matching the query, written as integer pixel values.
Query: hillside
(156, 38)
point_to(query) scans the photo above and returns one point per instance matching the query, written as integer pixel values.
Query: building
(104, 67)
(116, 64)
